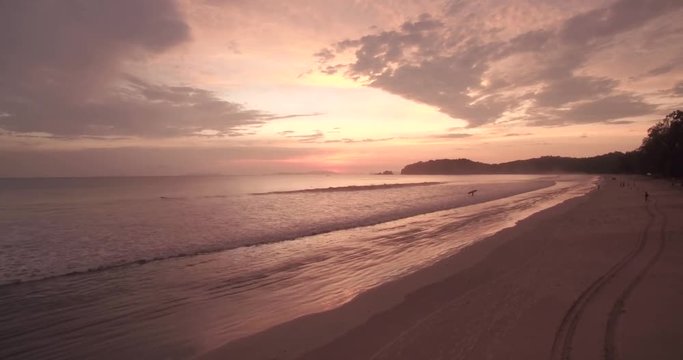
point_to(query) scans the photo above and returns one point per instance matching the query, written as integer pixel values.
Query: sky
(164, 87)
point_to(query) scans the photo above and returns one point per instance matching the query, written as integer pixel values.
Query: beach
(172, 268)
(360, 179)
(597, 277)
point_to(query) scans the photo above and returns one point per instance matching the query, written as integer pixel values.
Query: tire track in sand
(618, 307)
(564, 335)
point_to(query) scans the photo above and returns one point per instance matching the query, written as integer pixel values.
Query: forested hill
(615, 162)
(661, 153)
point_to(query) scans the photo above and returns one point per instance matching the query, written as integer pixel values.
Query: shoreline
(284, 342)
(539, 184)
(397, 319)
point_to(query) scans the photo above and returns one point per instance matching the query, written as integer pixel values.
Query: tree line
(661, 154)
(662, 150)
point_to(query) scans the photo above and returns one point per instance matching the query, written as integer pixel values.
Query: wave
(314, 190)
(139, 262)
(351, 188)
(291, 235)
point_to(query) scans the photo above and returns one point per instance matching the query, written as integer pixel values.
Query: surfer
(471, 193)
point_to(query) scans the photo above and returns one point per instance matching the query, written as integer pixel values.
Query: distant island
(661, 153)
(615, 162)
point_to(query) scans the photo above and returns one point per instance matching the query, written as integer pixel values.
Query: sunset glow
(261, 86)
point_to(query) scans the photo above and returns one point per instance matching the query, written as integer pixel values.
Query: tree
(662, 149)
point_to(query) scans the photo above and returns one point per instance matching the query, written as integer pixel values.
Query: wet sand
(597, 277)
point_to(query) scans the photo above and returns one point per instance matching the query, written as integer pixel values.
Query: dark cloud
(136, 109)
(573, 88)
(46, 42)
(61, 72)
(620, 122)
(305, 138)
(324, 55)
(678, 89)
(662, 69)
(455, 6)
(452, 136)
(432, 61)
(40, 135)
(606, 110)
(289, 116)
(517, 134)
(444, 83)
(619, 17)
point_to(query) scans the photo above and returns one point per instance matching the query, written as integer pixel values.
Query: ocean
(171, 267)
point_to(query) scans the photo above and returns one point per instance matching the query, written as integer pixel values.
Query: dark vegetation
(661, 153)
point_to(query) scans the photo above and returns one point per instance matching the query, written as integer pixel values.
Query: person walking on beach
(646, 195)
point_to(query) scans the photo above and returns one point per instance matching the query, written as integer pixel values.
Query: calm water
(208, 282)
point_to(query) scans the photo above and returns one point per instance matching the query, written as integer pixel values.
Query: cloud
(481, 75)
(324, 55)
(678, 89)
(318, 137)
(304, 138)
(517, 134)
(452, 136)
(602, 110)
(63, 72)
(354, 141)
(573, 88)
(137, 108)
(616, 18)
(620, 122)
(660, 70)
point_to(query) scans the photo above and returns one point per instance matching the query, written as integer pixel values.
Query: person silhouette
(646, 195)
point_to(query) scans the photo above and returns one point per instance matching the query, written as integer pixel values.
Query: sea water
(170, 267)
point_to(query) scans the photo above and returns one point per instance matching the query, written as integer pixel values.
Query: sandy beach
(597, 277)
(367, 179)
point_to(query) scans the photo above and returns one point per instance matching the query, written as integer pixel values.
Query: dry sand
(598, 277)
